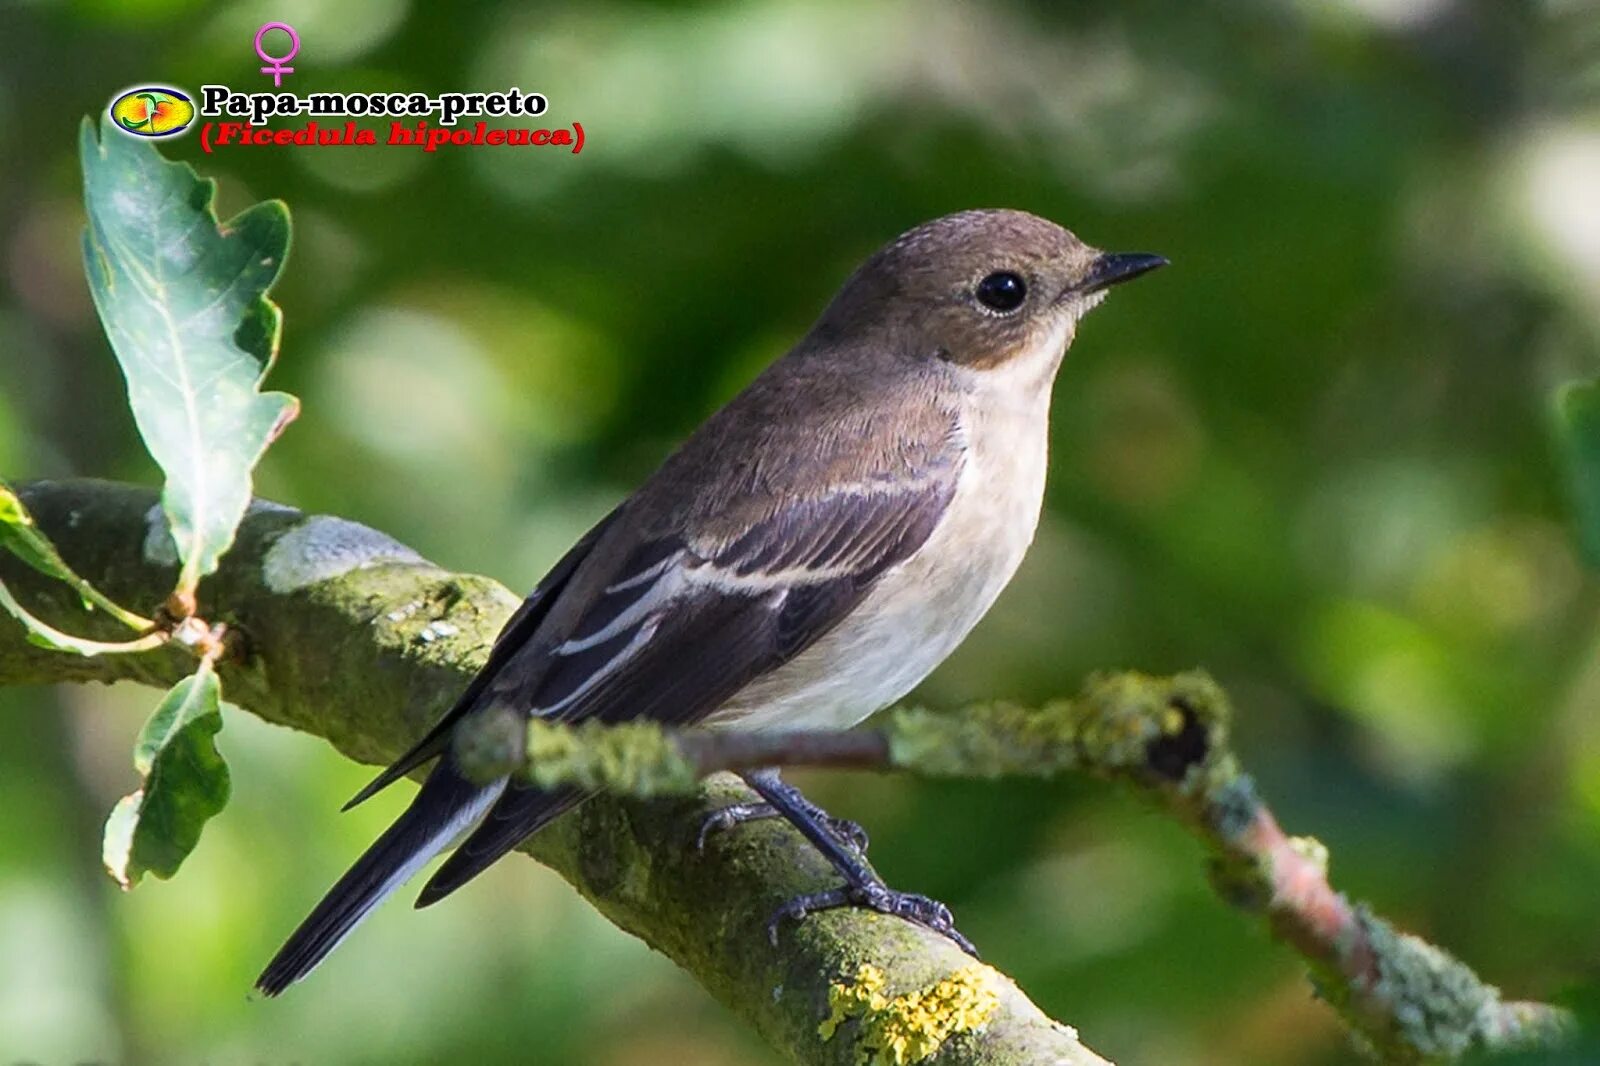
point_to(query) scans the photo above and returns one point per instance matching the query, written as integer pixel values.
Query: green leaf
(20, 536)
(184, 303)
(185, 783)
(1578, 413)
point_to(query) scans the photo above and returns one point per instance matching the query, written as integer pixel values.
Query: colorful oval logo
(152, 112)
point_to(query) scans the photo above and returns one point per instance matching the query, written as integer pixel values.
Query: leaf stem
(137, 622)
(41, 632)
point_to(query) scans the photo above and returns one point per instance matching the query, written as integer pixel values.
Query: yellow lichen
(910, 1028)
(1172, 720)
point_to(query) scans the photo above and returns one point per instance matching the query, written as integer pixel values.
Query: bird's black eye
(1002, 291)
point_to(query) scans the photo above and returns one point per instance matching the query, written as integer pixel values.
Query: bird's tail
(443, 808)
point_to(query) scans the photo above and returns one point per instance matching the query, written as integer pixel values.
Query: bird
(802, 560)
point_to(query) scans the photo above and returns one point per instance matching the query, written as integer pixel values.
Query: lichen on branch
(1409, 1000)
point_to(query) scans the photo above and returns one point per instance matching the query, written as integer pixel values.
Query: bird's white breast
(921, 610)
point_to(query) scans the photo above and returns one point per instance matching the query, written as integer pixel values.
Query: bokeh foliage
(1317, 456)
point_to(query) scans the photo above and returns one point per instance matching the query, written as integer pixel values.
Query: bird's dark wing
(514, 635)
(681, 626)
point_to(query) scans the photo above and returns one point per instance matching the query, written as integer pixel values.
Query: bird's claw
(926, 912)
(850, 832)
(724, 818)
(797, 908)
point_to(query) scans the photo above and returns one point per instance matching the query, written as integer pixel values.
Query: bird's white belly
(921, 610)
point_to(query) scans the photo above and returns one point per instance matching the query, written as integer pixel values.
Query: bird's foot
(928, 913)
(724, 818)
(844, 845)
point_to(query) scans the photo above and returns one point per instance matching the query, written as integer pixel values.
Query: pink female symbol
(278, 70)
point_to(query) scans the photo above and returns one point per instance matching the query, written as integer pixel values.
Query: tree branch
(352, 636)
(1166, 738)
(342, 632)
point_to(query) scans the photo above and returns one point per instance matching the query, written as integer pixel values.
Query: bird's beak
(1113, 268)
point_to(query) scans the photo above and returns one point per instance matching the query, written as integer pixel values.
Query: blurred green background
(1314, 456)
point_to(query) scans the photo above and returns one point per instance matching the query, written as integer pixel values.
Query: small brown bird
(804, 559)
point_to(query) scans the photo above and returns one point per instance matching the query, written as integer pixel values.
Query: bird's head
(980, 289)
